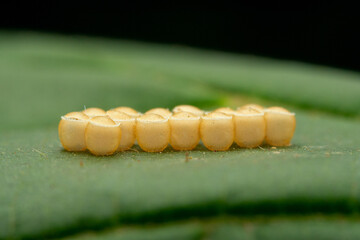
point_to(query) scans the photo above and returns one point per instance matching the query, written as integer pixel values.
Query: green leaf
(314, 227)
(48, 192)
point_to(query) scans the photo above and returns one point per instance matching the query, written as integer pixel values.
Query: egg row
(106, 132)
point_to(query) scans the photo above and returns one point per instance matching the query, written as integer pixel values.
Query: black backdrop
(324, 35)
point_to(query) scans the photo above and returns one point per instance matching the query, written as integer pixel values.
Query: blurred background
(324, 33)
(60, 57)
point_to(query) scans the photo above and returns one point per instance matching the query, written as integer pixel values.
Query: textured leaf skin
(273, 228)
(48, 192)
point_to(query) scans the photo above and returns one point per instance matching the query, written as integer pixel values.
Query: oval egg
(152, 132)
(72, 131)
(184, 128)
(217, 131)
(102, 136)
(280, 126)
(127, 126)
(249, 127)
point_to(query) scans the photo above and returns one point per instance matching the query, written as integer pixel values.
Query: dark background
(324, 34)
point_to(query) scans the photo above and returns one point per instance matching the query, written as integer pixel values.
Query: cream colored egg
(217, 131)
(72, 131)
(152, 132)
(280, 126)
(93, 112)
(129, 111)
(225, 110)
(188, 108)
(252, 106)
(127, 126)
(160, 111)
(102, 135)
(249, 127)
(184, 131)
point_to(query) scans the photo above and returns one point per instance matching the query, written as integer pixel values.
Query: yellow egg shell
(217, 131)
(280, 126)
(225, 110)
(93, 112)
(188, 108)
(129, 111)
(251, 106)
(127, 126)
(184, 131)
(72, 131)
(160, 111)
(152, 132)
(102, 136)
(249, 127)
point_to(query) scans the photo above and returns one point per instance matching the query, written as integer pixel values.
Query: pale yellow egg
(152, 132)
(249, 127)
(127, 126)
(188, 108)
(102, 135)
(160, 111)
(72, 131)
(280, 126)
(129, 111)
(251, 106)
(225, 110)
(93, 112)
(184, 128)
(217, 131)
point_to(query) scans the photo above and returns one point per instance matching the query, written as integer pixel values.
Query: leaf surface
(48, 192)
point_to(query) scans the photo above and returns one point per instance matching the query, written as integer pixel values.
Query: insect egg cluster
(106, 132)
